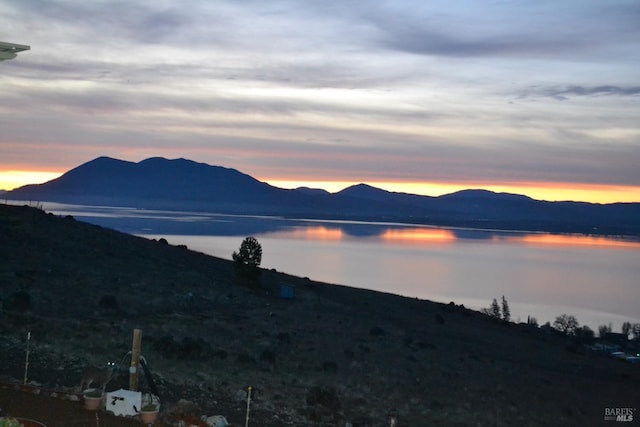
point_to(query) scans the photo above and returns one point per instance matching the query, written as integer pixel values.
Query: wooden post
(135, 360)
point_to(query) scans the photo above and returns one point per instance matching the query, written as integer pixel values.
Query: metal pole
(135, 359)
(246, 423)
(26, 361)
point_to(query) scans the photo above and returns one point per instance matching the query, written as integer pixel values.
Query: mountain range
(185, 185)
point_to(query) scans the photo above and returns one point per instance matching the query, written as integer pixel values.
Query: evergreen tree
(506, 313)
(249, 254)
(247, 260)
(495, 309)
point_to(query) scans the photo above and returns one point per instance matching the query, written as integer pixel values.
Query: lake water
(542, 275)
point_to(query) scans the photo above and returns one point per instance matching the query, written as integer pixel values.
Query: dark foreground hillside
(330, 355)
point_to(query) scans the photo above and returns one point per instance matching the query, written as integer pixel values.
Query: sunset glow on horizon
(539, 191)
(12, 179)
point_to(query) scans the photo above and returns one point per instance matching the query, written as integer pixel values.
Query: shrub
(376, 331)
(188, 348)
(330, 367)
(165, 345)
(284, 338)
(268, 356)
(245, 358)
(108, 303)
(322, 401)
(220, 354)
(194, 348)
(19, 301)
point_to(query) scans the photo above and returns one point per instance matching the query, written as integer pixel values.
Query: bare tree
(603, 330)
(566, 323)
(626, 328)
(635, 330)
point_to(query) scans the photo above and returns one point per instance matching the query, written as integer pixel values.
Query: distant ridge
(181, 184)
(479, 194)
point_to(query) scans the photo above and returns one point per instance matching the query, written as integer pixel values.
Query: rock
(323, 403)
(215, 421)
(376, 331)
(184, 408)
(241, 395)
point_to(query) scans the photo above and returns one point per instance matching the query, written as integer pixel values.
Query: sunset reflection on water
(576, 240)
(418, 235)
(399, 235)
(427, 235)
(321, 233)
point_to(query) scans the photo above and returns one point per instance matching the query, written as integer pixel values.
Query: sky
(428, 97)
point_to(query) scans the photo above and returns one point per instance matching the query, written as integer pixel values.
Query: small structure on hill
(287, 291)
(616, 338)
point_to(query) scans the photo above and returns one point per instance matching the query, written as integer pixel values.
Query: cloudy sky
(535, 97)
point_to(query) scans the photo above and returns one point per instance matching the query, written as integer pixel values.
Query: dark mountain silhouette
(312, 191)
(480, 194)
(181, 184)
